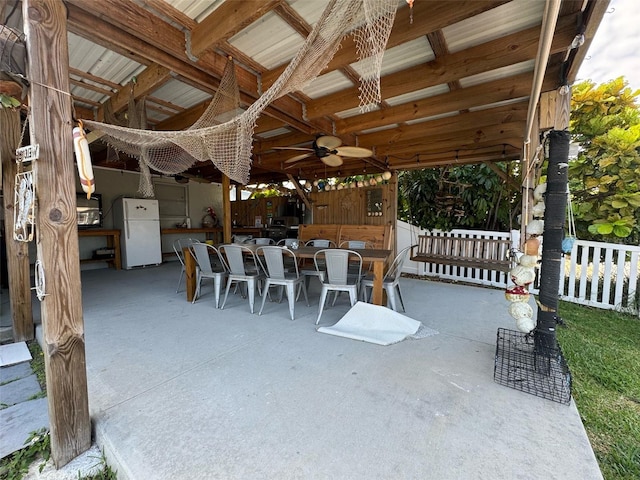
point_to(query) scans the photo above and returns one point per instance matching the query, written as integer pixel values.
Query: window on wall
(173, 202)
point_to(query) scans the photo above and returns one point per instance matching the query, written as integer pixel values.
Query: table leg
(189, 273)
(378, 275)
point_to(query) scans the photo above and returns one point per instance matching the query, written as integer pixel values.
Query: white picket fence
(611, 282)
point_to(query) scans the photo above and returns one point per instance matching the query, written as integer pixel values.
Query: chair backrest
(355, 244)
(336, 263)
(202, 252)
(178, 246)
(271, 259)
(395, 269)
(288, 242)
(264, 241)
(320, 242)
(235, 255)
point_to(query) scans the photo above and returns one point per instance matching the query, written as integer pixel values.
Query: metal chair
(312, 271)
(178, 246)
(235, 255)
(216, 270)
(336, 278)
(390, 282)
(288, 242)
(272, 260)
(260, 241)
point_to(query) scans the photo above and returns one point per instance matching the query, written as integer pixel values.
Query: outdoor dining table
(377, 257)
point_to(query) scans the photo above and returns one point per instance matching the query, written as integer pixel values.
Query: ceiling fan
(327, 148)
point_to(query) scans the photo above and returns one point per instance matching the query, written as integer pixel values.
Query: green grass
(602, 349)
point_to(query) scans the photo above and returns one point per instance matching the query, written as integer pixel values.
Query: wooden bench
(379, 236)
(484, 253)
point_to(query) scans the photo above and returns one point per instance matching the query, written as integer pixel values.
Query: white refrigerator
(139, 224)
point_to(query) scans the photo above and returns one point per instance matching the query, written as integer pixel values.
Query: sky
(615, 49)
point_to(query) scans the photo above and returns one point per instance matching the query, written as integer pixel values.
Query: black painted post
(554, 222)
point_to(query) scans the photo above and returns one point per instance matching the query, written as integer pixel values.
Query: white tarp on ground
(13, 353)
(376, 324)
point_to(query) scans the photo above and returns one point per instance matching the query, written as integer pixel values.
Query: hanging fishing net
(223, 134)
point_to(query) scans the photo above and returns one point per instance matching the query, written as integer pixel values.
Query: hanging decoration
(570, 238)
(83, 160)
(25, 194)
(523, 274)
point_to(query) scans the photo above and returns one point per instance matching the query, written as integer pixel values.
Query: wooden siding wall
(244, 212)
(344, 207)
(349, 206)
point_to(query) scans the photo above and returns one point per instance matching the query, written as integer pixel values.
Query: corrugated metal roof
(274, 133)
(326, 84)
(195, 9)
(309, 10)
(181, 94)
(432, 117)
(403, 56)
(270, 41)
(89, 57)
(498, 73)
(495, 23)
(352, 112)
(418, 95)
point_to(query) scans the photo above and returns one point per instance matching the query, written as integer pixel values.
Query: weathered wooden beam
(57, 233)
(518, 47)
(465, 98)
(447, 125)
(225, 21)
(17, 252)
(426, 18)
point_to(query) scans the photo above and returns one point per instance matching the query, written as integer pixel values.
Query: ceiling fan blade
(357, 152)
(302, 149)
(298, 157)
(328, 141)
(332, 160)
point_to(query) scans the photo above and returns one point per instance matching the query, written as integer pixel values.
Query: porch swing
(468, 252)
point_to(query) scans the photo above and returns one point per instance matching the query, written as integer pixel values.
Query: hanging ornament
(529, 261)
(522, 275)
(532, 246)
(538, 210)
(410, 2)
(539, 191)
(517, 293)
(535, 227)
(520, 310)
(525, 324)
(83, 160)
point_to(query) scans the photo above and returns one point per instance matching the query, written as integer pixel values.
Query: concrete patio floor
(182, 391)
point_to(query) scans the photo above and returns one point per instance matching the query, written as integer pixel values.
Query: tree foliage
(604, 179)
(469, 196)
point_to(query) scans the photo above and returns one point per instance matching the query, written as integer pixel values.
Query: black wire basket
(536, 370)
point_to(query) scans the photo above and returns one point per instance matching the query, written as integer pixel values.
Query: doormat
(377, 324)
(13, 353)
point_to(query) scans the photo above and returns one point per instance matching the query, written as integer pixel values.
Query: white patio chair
(311, 271)
(235, 256)
(261, 241)
(272, 260)
(216, 269)
(336, 278)
(178, 246)
(390, 282)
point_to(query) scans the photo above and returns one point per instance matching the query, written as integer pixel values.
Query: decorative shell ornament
(539, 191)
(529, 261)
(522, 275)
(517, 294)
(525, 324)
(538, 210)
(535, 227)
(532, 246)
(520, 310)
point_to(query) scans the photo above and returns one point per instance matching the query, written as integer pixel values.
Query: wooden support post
(226, 209)
(45, 27)
(17, 252)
